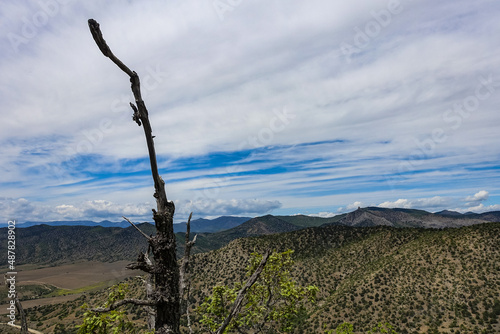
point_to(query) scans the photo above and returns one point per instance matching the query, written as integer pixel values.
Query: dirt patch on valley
(71, 277)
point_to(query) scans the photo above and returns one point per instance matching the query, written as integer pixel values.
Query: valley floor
(59, 284)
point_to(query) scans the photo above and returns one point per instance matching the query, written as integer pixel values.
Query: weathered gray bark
(165, 269)
(185, 279)
(22, 316)
(170, 281)
(184, 271)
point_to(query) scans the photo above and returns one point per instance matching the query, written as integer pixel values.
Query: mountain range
(104, 223)
(421, 280)
(375, 216)
(197, 225)
(370, 216)
(422, 272)
(45, 244)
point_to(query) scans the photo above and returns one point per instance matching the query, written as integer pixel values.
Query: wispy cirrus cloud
(264, 104)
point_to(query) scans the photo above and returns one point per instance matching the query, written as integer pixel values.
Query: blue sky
(258, 107)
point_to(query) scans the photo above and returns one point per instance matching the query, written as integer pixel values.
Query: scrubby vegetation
(418, 280)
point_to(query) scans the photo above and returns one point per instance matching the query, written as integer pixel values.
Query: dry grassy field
(70, 280)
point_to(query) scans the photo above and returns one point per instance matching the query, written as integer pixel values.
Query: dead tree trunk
(165, 269)
(22, 315)
(170, 281)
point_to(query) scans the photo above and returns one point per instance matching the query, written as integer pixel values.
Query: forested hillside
(419, 280)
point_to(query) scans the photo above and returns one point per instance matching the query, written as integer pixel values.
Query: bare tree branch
(143, 263)
(184, 279)
(138, 229)
(103, 46)
(22, 315)
(140, 111)
(149, 295)
(187, 309)
(150, 310)
(242, 293)
(166, 269)
(140, 302)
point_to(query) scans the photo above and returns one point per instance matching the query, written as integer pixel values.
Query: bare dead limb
(22, 315)
(242, 293)
(184, 279)
(103, 46)
(149, 295)
(148, 282)
(166, 269)
(140, 110)
(143, 263)
(138, 229)
(188, 318)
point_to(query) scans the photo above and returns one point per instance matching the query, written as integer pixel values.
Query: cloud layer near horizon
(267, 107)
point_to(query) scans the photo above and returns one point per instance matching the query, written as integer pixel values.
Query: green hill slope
(308, 221)
(420, 280)
(43, 244)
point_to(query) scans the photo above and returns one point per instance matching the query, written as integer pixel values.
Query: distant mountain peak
(449, 213)
(202, 225)
(399, 217)
(267, 224)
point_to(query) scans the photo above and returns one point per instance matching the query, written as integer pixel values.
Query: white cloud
(106, 209)
(350, 207)
(438, 203)
(66, 210)
(97, 210)
(232, 207)
(354, 205)
(481, 208)
(323, 214)
(420, 203)
(400, 203)
(480, 196)
(19, 208)
(69, 124)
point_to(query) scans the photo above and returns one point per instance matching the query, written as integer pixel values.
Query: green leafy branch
(274, 303)
(97, 321)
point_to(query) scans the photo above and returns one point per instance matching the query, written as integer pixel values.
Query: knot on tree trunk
(164, 219)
